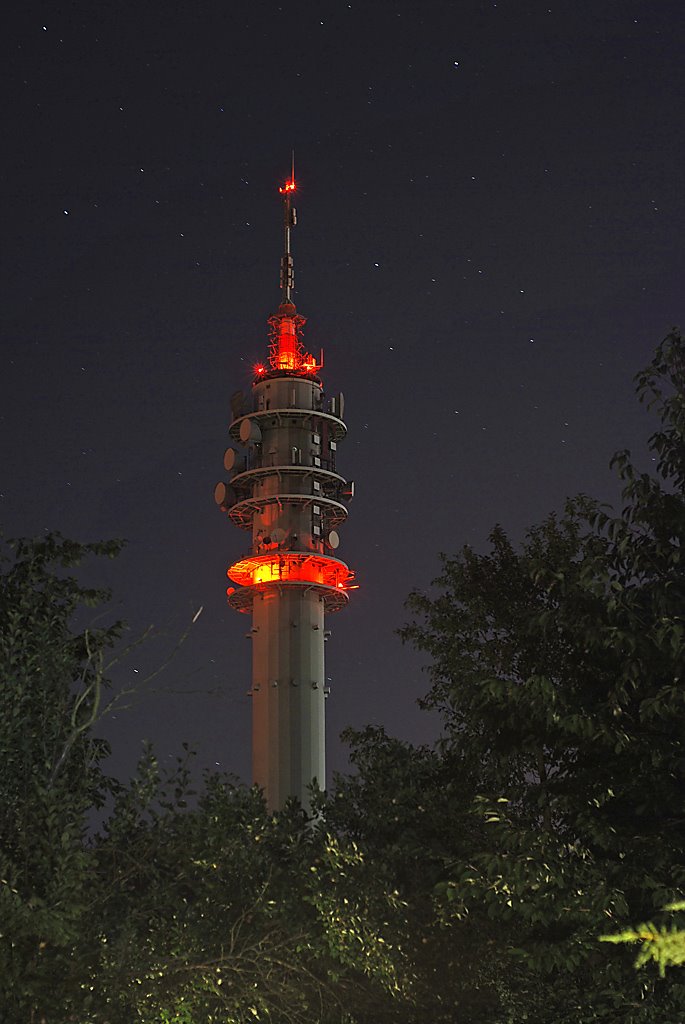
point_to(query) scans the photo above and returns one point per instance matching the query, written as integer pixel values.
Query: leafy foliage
(557, 669)
(407, 808)
(50, 762)
(186, 906)
(225, 913)
(662, 944)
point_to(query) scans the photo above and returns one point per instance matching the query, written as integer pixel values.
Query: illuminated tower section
(286, 491)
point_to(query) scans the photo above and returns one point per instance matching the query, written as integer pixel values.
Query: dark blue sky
(489, 247)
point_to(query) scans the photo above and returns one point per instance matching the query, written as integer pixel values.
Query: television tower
(285, 489)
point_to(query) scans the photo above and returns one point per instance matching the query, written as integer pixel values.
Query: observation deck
(328, 577)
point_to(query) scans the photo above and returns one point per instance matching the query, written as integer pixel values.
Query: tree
(408, 809)
(557, 669)
(222, 912)
(50, 765)
(185, 906)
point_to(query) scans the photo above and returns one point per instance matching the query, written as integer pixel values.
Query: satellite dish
(224, 495)
(333, 539)
(250, 432)
(230, 456)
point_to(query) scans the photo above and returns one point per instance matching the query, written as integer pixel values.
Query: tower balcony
(329, 577)
(282, 417)
(323, 482)
(333, 513)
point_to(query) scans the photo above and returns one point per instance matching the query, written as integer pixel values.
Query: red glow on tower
(321, 573)
(287, 353)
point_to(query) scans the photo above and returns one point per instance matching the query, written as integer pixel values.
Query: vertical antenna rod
(289, 221)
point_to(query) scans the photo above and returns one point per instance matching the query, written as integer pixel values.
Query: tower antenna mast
(289, 221)
(286, 490)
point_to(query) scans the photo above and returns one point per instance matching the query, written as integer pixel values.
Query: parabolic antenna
(224, 495)
(250, 432)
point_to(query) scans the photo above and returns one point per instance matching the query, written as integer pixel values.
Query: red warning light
(289, 186)
(259, 369)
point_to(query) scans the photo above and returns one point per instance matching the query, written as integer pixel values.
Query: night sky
(489, 246)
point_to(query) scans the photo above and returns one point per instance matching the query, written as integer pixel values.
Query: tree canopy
(558, 671)
(551, 812)
(183, 906)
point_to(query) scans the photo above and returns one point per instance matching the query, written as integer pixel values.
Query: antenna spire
(286, 351)
(289, 221)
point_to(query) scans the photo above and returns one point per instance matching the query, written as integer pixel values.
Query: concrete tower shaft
(288, 716)
(286, 491)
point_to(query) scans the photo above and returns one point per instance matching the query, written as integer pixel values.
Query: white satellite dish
(250, 432)
(224, 495)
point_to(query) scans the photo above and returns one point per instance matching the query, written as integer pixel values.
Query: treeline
(471, 882)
